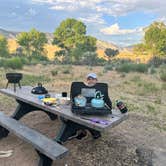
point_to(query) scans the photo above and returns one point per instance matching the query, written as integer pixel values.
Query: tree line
(77, 47)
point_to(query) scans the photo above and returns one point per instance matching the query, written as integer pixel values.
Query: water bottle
(123, 109)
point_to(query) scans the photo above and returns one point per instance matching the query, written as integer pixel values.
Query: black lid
(39, 89)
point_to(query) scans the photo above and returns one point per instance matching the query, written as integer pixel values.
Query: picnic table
(28, 102)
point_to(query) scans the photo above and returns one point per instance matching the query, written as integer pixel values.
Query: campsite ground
(140, 140)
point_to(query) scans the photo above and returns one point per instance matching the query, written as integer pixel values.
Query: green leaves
(155, 38)
(71, 36)
(3, 47)
(32, 42)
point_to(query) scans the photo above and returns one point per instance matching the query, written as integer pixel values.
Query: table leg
(44, 160)
(24, 108)
(67, 129)
(3, 132)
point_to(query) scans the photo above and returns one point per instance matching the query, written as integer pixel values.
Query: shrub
(164, 86)
(141, 68)
(163, 75)
(14, 63)
(33, 80)
(108, 67)
(24, 60)
(130, 67)
(54, 72)
(65, 71)
(124, 68)
(156, 61)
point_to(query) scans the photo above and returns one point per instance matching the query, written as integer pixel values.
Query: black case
(89, 110)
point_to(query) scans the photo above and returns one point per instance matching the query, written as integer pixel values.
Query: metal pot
(14, 77)
(80, 101)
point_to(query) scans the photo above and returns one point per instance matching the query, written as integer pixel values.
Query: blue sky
(118, 21)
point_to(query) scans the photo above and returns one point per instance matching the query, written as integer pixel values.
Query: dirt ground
(119, 146)
(135, 142)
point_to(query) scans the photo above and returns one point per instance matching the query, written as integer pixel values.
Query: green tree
(155, 38)
(88, 44)
(69, 33)
(3, 46)
(32, 42)
(111, 52)
(71, 37)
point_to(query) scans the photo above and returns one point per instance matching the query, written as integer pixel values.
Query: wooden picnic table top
(24, 94)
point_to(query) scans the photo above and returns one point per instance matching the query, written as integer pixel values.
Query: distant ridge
(8, 34)
(101, 45)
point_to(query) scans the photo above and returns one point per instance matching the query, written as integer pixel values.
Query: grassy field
(144, 95)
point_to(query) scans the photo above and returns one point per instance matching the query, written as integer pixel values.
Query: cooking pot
(80, 101)
(13, 77)
(97, 103)
(39, 89)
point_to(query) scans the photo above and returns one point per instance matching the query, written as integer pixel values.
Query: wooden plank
(24, 94)
(40, 142)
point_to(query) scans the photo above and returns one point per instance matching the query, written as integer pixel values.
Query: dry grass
(140, 91)
(146, 124)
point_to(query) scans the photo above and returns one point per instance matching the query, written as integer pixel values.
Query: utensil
(97, 120)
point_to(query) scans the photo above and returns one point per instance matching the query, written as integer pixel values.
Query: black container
(64, 94)
(39, 90)
(123, 109)
(14, 78)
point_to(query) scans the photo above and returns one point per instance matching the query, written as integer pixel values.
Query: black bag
(39, 90)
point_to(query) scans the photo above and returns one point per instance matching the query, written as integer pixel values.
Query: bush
(65, 71)
(157, 61)
(130, 67)
(108, 67)
(163, 75)
(141, 68)
(54, 72)
(14, 63)
(24, 60)
(33, 80)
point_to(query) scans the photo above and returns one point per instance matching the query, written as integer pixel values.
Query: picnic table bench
(47, 149)
(28, 102)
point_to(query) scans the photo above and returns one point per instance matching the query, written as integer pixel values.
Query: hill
(8, 34)
(50, 49)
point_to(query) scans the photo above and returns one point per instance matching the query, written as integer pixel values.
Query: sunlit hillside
(125, 54)
(101, 46)
(51, 49)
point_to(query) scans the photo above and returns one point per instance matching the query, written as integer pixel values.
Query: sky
(120, 22)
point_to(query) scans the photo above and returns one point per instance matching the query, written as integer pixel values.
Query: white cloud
(115, 30)
(93, 18)
(110, 7)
